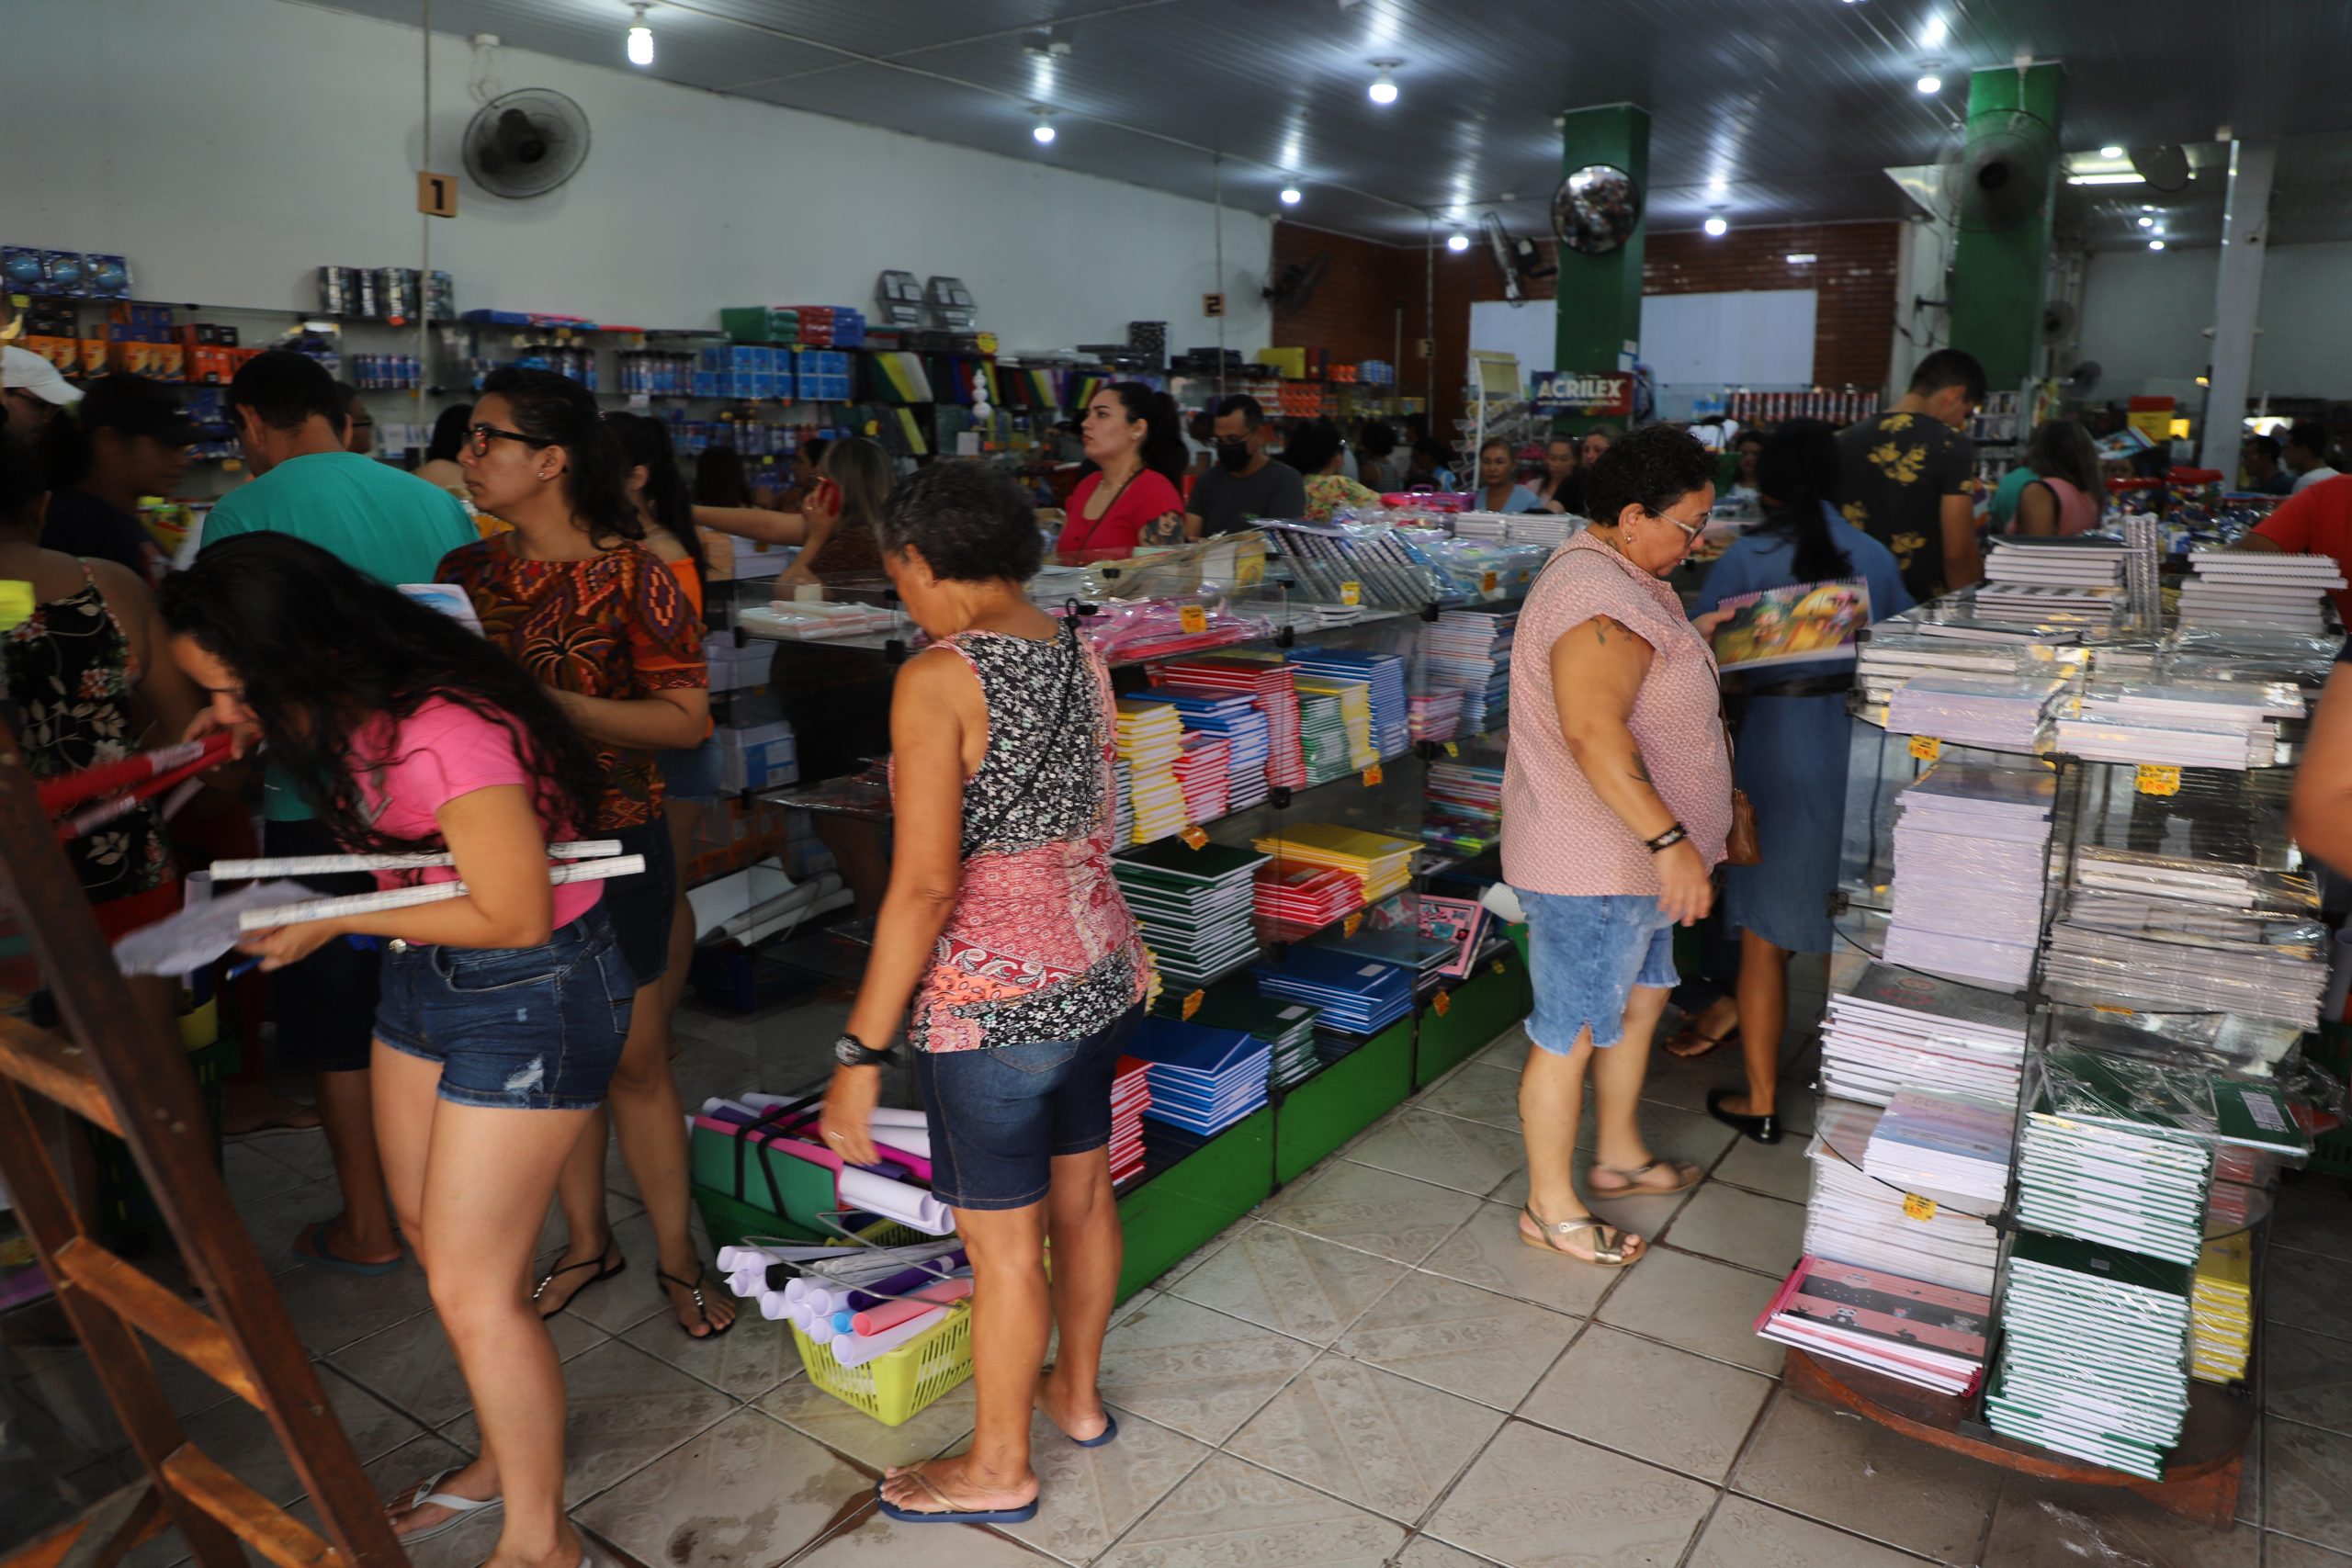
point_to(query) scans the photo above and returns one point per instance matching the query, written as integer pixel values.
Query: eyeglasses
(480, 437)
(1690, 534)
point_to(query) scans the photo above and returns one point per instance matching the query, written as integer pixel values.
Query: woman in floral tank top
(1005, 948)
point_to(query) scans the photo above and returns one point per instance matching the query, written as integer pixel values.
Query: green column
(1600, 306)
(1997, 274)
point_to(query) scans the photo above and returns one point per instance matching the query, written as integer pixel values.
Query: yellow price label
(1926, 748)
(1351, 593)
(1352, 924)
(2119, 1012)
(1441, 1003)
(1373, 777)
(1486, 582)
(1195, 836)
(16, 604)
(1193, 618)
(1917, 1208)
(2157, 778)
(1496, 965)
(1451, 750)
(1193, 1002)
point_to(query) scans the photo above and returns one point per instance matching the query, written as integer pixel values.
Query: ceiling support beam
(2237, 301)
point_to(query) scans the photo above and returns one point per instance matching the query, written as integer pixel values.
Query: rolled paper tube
(820, 1329)
(773, 1307)
(896, 1200)
(892, 1116)
(889, 1315)
(856, 1349)
(795, 1289)
(906, 1283)
(819, 1301)
(843, 1322)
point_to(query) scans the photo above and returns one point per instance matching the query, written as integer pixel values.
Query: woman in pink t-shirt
(1616, 802)
(502, 1010)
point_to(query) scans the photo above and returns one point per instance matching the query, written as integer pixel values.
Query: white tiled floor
(1370, 1370)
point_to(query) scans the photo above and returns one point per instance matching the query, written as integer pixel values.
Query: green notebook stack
(2094, 1353)
(2120, 1152)
(1194, 907)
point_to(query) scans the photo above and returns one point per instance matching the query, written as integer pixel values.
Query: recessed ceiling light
(2105, 180)
(2110, 151)
(1716, 228)
(1289, 196)
(1457, 241)
(1718, 186)
(1383, 86)
(2146, 221)
(1930, 82)
(2155, 244)
(1801, 258)
(1933, 35)
(1042, 131)
(2147, 206)
(640, 40)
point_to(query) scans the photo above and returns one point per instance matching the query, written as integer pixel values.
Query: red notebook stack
(1204, 772)
(1130, 1094)
(1305, 897)
(1270, 682)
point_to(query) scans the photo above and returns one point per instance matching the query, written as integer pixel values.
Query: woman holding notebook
(502, 1010)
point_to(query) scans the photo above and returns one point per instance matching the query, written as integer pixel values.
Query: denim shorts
(514, 1028)
(691, 773)
(1587, 953)
(998, 1115)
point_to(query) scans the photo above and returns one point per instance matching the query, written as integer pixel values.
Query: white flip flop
(460, 1508)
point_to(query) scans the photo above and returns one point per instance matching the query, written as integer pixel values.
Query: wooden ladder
(125, 1078)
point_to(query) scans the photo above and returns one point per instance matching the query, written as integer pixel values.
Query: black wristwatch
(1667, 840)
(851, 1052)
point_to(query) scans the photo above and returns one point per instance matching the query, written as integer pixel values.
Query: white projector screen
(1761, 337)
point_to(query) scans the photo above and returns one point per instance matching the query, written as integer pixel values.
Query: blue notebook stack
(1385, 673)
(1234, 716)
(1202, 1079)
(1349, 992)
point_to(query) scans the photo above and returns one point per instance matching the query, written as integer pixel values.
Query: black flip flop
(694, 1288)
(602, 1274)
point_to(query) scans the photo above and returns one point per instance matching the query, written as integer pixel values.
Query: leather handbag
(1740, 845)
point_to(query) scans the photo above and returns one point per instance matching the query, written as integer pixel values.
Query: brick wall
(1352, 313)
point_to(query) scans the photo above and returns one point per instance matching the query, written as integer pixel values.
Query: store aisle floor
(1369, 1371)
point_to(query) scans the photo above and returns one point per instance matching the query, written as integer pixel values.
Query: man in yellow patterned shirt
(1904, 475)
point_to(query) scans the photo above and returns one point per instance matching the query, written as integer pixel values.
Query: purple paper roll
(904, 1282)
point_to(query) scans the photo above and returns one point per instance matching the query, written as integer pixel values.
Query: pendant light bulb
(1042, 131)
(1931, 83)
(1716, 228)
(1383, 86)
(1457, 241)
(1289, 196)
(640, 40)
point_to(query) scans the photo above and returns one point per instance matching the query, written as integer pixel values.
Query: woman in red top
(1136, 499)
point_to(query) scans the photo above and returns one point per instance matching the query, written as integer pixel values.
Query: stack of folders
(1150, 738)
(1929, 1335)
(1293, 898)
(2179, 722)
(1287, 1027)
(1942, 1142)
(1193, 906)
(1355, 698)
(1231, 715)
(2173, 953)
(1433, 715)
(1382, 675)
(1403, 944)
(1461, 805)
(2036, 582)
(2094, 1353)
(1469, 651)
(2259, 591)
(2221, 1309)
(2002, 713)
(2047, 605)
(1382, 864)
(1938, 1237)
(1130, 1098)
(1548, 529)
(1896, 651)
(1269, 686)
(1203, 772)
(2107, 1157)
(1897, 1027)
(1349, 992)
(1969, 867)
(1202, 1079)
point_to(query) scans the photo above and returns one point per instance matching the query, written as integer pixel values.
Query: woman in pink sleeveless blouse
(1616, 803)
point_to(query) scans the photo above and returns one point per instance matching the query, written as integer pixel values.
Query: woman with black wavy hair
(601, 623)
(502, 1010)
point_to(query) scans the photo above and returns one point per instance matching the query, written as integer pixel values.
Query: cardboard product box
(760, 756)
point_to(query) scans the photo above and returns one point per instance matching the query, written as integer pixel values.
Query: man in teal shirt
(291, 418)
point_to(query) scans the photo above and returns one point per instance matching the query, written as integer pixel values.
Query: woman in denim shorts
(1616, 802)
(1003, 927)
(502, 1010)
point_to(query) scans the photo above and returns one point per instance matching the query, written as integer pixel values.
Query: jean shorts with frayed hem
(1001, 1114)
(514, 1028)
(1587, 952)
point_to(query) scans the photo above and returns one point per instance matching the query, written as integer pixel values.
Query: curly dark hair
(971, 523)
(1651, 467)
(325, 651)
(559, 411)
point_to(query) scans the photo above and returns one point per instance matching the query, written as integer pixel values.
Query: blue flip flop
(1100, 1438)
(1020, 1515)
(312, 1248)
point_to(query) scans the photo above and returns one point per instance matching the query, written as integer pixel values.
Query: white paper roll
(773, 1307)
(856, 1349)
(895, 1201)
(893, 1116)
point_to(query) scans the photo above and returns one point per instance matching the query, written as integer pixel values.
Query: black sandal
(602, 1274)
(694, 1288)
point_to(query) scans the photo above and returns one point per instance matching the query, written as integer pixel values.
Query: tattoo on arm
(1602, 625)
(1642, 772)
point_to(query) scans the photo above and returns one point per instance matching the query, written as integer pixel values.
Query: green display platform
(1177, 1210)
(1341, 1100)
(1493, 998)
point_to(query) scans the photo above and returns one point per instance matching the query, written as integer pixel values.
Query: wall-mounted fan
(1999, 179)
(1520, 261)
(1290, 292)
(526, 143)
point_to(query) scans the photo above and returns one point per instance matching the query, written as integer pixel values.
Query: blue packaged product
(65, 273)
(21, 269)
(109, 276)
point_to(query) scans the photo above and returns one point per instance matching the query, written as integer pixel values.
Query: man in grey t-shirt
(1243, 485)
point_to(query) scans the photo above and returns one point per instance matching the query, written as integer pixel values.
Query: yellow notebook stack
(1383, 865)
(2221, 1309)
(1150, 738)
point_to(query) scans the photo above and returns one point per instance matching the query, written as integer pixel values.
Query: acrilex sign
(1604, 393)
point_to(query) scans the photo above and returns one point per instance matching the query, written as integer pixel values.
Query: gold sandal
(1686, 1174)
(1608, 1255)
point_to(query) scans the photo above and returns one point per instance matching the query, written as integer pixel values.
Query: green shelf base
(1492, 998)
(1180, 1209)
(1341, 1100)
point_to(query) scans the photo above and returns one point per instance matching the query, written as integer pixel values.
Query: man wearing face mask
(1243, 485)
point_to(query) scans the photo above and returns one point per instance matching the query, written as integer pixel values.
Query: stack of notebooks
(2171, 953)
(1230, 715)
(1929, 1335)
(1323, 737)
(1287, 1027)
(1350, 993)
(1458, 922)
(1896, 1028)
(1269, 686)
(1399, 941)
(2039, 582)
(1203, 772)
(1938, 1237)
(2183, 723)
(1382, 675)
(1461, 805)
(1969, 868)
(1202, 1079)
(2003, 713)
(1292, 897)
(2094, 1353)
(1380, 863)
(1354, 699)
(1194, 907)
(1469, 651)
(2221, 1309)
(2111, 1154)
(2259, 591)
(1150, 738)
(1940, 1142)
(1130, 1098)
(1895, 651)
(1433, 715)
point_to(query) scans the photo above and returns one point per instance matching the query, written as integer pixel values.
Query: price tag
(2119, 1012)
(1917, 1208)
(2157, 778)
(1193, 618)
(1193, 1002)
(1451, 750)
(1351, 593)
(1373, 776)
(1352, 924)
(1443, 1003)
(1486, 581)
(1496, 965)
(1194, 837)
(1926, 748)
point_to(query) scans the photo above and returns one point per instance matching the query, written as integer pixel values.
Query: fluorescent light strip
(2105, 180)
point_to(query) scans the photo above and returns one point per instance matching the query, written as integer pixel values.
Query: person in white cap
(32, 392)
